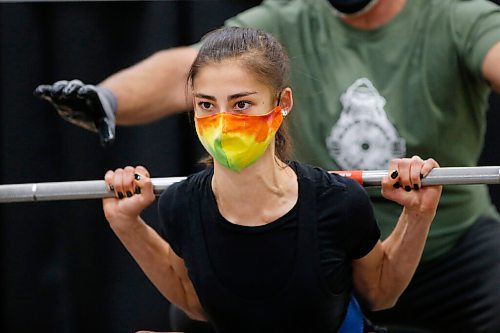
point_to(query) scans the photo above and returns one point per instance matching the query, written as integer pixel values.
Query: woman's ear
(286, 99)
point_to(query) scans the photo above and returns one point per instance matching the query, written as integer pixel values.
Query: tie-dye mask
(238, 140)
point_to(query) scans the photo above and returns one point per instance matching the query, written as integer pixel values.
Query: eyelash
(248, 104)
(203, 105)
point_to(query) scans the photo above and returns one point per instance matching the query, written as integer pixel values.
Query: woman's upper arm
(366, 271)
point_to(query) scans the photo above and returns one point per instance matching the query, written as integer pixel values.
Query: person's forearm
(382, 275)
(491, 67)
(157, 260)
(153, 88)
(402, 252)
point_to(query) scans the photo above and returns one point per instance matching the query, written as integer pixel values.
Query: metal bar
(97, 189)
(438, 176)
(74, 190)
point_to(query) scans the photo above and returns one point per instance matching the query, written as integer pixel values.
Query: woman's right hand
(133, 193)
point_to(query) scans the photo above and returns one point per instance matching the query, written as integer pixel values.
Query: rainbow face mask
(238, 140)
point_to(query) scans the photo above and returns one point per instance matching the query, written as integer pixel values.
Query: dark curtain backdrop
(63, 270)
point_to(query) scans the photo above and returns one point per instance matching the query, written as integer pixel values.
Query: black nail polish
(137, 176)
(397, 185)
(394, 174)
(137, 190)
(111, 187)
(120, 195)
(421, 176)
(415, 187)
(129, 194)
(407, 188)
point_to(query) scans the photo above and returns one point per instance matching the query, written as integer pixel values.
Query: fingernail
(137, 190)
(415, 186)
(137, 176)
(421, 176)
(397, 185)
(129, 194)
(407, 188)
(394, 174)
(120, 195)
(111, 187)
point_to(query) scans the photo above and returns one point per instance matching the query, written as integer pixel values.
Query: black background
(63, 270)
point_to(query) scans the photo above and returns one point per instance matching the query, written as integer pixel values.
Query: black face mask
(349, 6)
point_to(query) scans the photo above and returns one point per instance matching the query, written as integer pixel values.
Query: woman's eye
(205, 105)
(242, 105)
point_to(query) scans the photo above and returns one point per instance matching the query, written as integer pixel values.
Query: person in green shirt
(377, 80)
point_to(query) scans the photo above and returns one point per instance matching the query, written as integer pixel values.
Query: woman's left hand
(403, 184)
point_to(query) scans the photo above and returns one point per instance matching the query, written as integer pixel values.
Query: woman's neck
(381, 13)
(258, 194)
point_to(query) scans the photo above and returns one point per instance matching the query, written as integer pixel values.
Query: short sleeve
(170, 208)
(476, 29)
(265, 16)
(362, 231)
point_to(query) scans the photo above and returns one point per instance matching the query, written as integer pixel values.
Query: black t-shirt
(259, 257)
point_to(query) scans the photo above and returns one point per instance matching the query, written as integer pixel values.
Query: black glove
(88, 106)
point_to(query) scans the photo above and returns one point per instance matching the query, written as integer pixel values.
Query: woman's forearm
(161, 265)
(381, 276)
(402, 253)
(393, 265)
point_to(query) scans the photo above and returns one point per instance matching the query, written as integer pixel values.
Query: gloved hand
(88, 106)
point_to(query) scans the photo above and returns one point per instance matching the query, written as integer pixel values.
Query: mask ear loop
(284, 111)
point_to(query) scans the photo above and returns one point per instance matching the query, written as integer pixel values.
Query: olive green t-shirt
(411, 87)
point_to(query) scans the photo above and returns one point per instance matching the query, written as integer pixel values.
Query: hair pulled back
(257, 51)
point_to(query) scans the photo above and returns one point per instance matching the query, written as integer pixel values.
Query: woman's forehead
(228, 76)
(225, 68)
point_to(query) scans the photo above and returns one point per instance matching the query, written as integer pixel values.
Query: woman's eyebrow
(229, 98)
(241, 94)
(212, 98)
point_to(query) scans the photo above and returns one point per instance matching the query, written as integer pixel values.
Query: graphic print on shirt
(363, 137)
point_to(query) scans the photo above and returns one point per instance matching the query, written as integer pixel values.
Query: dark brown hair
(257, 51)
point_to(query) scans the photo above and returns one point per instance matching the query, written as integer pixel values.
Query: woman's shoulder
(179, 192)
(322, 178)
(332, 189)
(174, 206)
